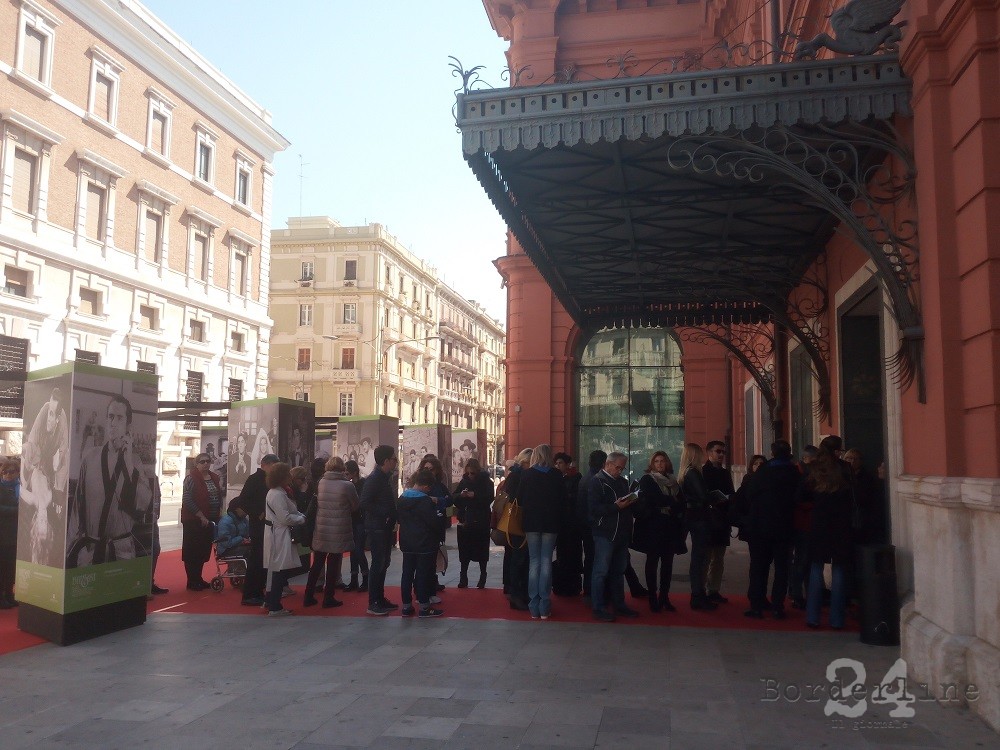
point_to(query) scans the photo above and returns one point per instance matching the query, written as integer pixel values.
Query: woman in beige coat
(333, 534)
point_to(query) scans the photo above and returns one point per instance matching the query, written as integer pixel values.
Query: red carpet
(485, 604)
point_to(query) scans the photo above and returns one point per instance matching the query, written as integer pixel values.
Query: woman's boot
(353, 584)
(363, 586)
(482, 576)
(463, 576)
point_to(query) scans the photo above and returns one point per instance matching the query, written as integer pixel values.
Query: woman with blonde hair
(333, 533)
(697, 514)
(542, 495)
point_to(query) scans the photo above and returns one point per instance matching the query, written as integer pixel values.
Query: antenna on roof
(302, 177)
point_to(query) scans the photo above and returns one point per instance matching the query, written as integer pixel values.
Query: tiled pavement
(227, 682)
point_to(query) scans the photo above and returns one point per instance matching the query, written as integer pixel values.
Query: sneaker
(534, 617)
(545, 617)
(603, 615)
(429, 612)
(287, 591)
(389, 605)
(407, 611)
(252, 602)
(435, 600)
(279, 613)
(158, 589)
(378, 610)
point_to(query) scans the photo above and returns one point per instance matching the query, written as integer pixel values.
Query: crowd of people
(563, 532)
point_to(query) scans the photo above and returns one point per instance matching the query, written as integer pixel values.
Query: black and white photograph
(45, 466)
(253, 431)
(357, 439)
(465, 444)
(416, 442)
(111, 476)
(215, 442)
(296, 428)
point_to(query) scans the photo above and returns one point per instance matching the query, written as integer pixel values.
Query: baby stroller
(232, 564)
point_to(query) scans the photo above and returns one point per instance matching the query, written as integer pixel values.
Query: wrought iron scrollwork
(752, 345)
(848, 173)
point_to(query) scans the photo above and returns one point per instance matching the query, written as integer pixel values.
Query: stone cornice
(677, 104)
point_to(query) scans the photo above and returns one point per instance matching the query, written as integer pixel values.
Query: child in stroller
(232, 546)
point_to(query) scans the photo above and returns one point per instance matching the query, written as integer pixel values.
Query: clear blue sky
(364, 91)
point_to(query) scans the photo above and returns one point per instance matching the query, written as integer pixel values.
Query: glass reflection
(631, 395)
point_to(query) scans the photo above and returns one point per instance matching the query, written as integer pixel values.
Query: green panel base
(65, 630)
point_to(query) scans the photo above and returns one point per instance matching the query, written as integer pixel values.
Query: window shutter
(154, 237)
(24, 181)
(103, 87)
(96, 199)
(200, 252)
(33, 59)
(159, 130)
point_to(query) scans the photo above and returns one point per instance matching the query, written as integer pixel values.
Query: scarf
(667, 483)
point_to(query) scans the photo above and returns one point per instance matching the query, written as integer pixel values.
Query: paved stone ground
(212, 682)
(193, 682)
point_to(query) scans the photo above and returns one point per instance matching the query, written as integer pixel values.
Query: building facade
(685, 172)
(135, 207)
(363, 326)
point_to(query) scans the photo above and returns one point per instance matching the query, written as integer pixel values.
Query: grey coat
(336, 500)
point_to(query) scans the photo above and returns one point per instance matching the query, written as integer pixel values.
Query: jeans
(715, 567)
(359, 563)
(418, 573)
(380, 543)
(838, 595)
(610, 560)
(279, 579)
(540, 547)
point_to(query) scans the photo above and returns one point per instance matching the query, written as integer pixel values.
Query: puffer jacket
(336, 500)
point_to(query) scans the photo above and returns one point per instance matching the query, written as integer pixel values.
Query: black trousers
(764, 553)
(517, 584)
(700, 538)
(588, 559)
(665, 562)
(253, 586)
(196, 549)
(380, 543)
(8, 566)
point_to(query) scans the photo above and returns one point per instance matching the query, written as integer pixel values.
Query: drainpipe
(776, 29)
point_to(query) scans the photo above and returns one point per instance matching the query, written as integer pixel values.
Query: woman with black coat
(659, 528)
(473, 500)
(698, 509)
(542, 496)
(830, 538)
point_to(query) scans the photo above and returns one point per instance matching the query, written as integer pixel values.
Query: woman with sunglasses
(201, 505)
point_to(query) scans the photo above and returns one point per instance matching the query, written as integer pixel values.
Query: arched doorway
(630, 394)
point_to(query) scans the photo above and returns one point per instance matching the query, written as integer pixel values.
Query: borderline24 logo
(851, 698)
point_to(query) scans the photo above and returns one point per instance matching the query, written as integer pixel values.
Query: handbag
(511, 524)
(442, 560)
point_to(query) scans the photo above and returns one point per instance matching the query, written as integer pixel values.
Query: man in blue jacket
(611, 525)
(378, 505)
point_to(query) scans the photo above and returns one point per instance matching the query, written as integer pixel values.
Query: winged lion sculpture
(860, 28)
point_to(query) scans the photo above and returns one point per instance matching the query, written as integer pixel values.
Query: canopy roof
(678, 199)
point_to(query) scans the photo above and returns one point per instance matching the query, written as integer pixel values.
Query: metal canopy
(660, 200)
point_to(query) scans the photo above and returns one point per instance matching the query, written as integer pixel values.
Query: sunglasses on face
(204, 461)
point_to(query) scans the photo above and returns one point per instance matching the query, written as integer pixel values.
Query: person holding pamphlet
(610, 505)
